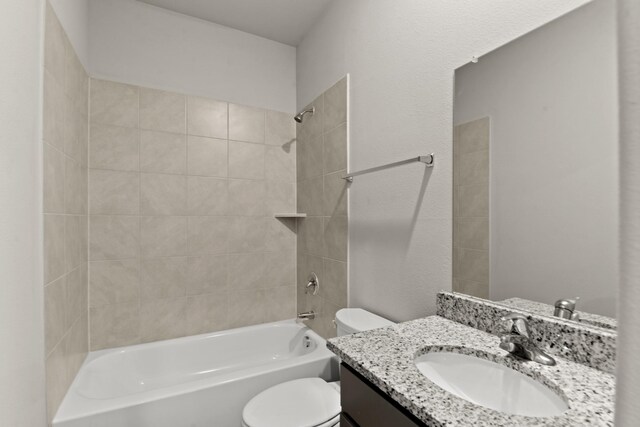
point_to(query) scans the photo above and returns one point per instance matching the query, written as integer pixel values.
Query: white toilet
(308, 402)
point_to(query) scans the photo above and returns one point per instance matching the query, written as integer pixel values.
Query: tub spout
(307, 315)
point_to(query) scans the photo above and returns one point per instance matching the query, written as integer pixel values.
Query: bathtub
(196, 381)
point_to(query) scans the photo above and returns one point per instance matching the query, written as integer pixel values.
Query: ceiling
(285, 21)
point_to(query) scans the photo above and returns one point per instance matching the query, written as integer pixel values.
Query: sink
(490, 384)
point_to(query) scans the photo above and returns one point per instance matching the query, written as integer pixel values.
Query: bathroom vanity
(383, 383)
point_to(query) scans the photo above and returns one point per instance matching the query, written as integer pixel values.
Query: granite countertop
(590, 319)
(385, 357)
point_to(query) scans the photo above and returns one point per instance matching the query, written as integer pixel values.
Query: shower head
(298, 118)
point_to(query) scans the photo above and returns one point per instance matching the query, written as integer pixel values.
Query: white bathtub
(198, 381)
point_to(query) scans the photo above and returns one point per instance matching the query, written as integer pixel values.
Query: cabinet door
(365, 404)
(345, 421)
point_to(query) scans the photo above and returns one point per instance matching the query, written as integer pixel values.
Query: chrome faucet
(307, 315)
(519, 343)
(566, 309)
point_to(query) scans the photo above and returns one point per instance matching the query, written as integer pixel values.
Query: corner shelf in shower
(290, 215)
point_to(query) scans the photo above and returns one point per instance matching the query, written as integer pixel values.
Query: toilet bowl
(308, 402)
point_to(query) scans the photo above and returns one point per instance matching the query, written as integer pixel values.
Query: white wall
(401, 56)
(552, 99)
(132, 42)
(74, 17)
(22, 401)
(628, 374)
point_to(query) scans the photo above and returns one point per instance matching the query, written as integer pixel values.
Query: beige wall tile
(163, 152)
(206, 274)
(164, 236)
(75, 190)
(114, 147)
(246, 271)
(246, 123)
(114, 325)
(472, 265)
(279, 269)
(476, 289)
(309, 158)
(163, 278)
(52, 113)
(280, 128)
(247, 234)
(280, 303)
(473, 168)
(208, 235)
(472, 233)
(281, 197)
(65, 191)
(54, 181)
(310, 236)
(76, 297)
(76, 81)
(246, 160)
(335, 282)
(163, 111)
(336, 237)
(114, 237)
(77, 345)
(54, 253)
(335, 149)
(162, 319)
(280, 235)
(207, 156)
(114, 192)
(335, 105)
(474, 136)
(55, 312)
(473, 201)
(280, 163)
(206, 313)
(163, 194)
(114, 282)
(310, 197)
(73, 238)
(247, 197)
(249, 307)
(207, 196)
(335, 194)
(73, 128)
(114, 103)
(207, 117)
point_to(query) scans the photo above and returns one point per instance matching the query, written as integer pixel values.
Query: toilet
(308, 402)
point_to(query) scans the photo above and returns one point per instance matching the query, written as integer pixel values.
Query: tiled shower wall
(65, 139)
(471, 208)
(322, 195)
(183, 239)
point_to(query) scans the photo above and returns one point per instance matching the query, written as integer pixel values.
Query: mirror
(536, 169)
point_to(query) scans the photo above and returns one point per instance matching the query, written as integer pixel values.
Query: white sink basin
(490, 384)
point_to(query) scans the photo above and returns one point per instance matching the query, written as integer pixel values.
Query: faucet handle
(518, 324)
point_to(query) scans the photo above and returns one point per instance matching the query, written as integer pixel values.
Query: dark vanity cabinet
(364, 405)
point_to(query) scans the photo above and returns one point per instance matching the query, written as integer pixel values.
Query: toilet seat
(306, 402)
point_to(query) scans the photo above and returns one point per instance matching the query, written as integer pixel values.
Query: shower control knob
(313, 284)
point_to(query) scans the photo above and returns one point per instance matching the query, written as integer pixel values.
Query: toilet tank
(352, 320)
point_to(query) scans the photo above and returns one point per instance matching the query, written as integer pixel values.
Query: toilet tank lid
(359, 320)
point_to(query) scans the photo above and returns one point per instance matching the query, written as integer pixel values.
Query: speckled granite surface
(594, 347)
(543, 309)
(385, 357)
